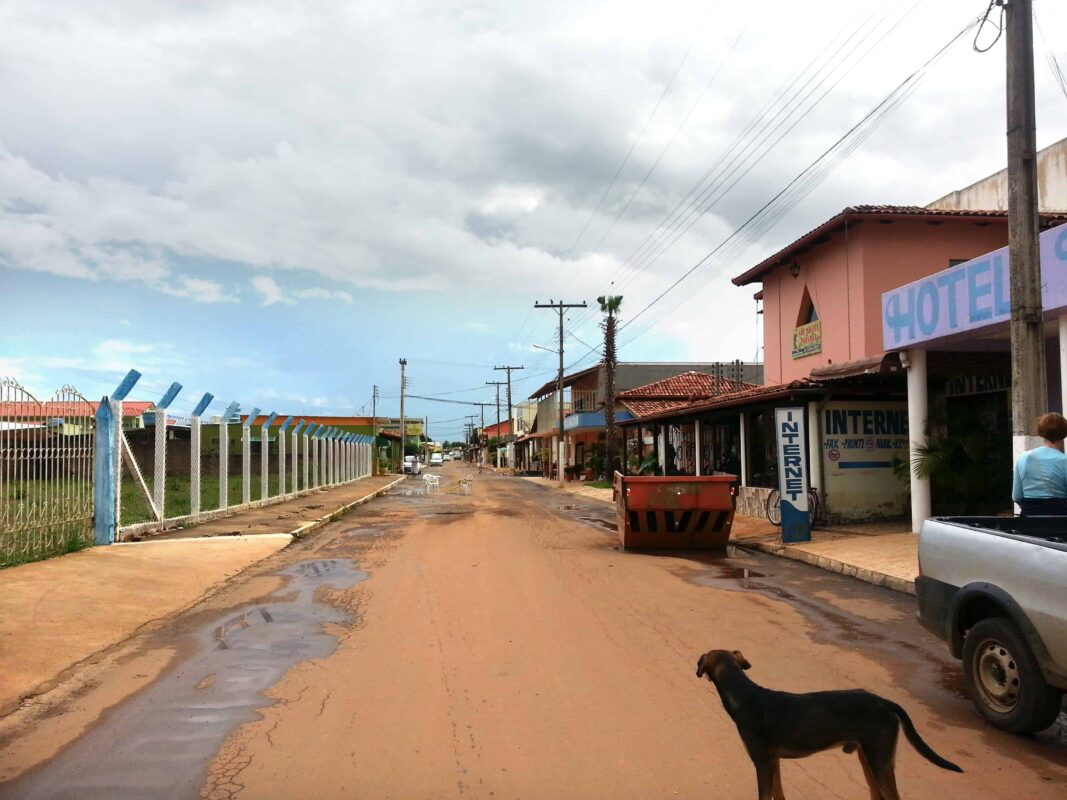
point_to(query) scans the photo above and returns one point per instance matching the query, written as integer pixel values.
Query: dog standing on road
(776, 725)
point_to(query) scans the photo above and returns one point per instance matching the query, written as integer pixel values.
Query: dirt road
(500, 646)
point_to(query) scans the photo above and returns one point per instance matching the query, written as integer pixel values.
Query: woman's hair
(1052, 427)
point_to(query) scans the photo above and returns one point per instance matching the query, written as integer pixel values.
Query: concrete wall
(992, 192)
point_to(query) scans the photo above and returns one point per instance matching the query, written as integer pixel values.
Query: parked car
(446, 457)
(436, 460)
(412, 465)
(993, 589)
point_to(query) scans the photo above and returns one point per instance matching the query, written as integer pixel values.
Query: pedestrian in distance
(1040, 483)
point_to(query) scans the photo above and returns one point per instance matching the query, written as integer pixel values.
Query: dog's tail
(917, 742)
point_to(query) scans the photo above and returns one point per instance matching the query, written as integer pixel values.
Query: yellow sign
(807, 339)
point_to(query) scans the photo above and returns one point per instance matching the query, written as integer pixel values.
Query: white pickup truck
(995, 589)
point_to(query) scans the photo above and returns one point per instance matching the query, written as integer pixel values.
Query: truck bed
(1052, 530)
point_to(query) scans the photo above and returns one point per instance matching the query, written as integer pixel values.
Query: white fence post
(224, 455)
(246, 457)
(159, 484)
(281, 455)
(307, 456)
(264, 456)
(315, 457)
(296, 455)
(194, 454)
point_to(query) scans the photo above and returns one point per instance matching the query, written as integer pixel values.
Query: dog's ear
(700, 667)
(741, 660)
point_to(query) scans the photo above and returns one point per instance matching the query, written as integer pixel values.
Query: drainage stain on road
(159, 743)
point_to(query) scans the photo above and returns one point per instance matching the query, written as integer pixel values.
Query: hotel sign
(807, 339)
(971, 295)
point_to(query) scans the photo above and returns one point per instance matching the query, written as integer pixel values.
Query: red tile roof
(49, 409)
(677, 392)
(859, 213)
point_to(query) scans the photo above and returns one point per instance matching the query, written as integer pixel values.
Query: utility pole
(511, 414)
(470, 432)
(497, 384)
(560, 306)
(374, 428)
(1028, 381)
(403, 428)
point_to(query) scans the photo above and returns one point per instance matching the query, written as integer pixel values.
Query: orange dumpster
(674, 512)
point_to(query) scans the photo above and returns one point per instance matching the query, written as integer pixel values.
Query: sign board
(965, 385)
(807, 339)
(864, 435)
(971, 295)
(789, 427)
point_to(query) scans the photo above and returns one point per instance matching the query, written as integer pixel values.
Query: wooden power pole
(1029, 395)
(511, 410)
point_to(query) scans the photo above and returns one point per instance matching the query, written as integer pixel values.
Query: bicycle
(774, 506)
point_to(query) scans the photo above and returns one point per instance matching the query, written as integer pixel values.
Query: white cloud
(513, 120)
(111, 347)
(325, 294)
(271, 293)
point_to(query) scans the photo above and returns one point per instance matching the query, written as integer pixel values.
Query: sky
(275, 201)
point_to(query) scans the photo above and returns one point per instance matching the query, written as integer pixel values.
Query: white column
(159, 476)
(264, 463)
(224, 464)
(696, 445)
(246, 465)
(661, 451)
(314, 461)
(744, 449)
(917, 414)
(815, 448)
(1063, 364)
(194, 467)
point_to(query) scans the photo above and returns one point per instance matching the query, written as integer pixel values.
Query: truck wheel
(1004, 679)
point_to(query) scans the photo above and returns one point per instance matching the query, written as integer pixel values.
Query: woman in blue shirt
(1040, 484)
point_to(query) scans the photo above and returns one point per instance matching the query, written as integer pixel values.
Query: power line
(814, 173)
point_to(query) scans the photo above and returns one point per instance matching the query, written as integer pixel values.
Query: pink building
(822, 295)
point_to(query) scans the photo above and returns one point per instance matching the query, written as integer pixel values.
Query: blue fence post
(104, 478)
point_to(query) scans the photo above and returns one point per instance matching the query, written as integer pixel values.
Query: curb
(336, 514)
(901, 585)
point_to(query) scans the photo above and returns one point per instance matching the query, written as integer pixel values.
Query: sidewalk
(885, 554)
(59, 612)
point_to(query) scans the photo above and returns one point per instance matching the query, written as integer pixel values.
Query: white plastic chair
(433, 482)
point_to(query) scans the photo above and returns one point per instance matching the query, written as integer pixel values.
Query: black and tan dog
(775, 725)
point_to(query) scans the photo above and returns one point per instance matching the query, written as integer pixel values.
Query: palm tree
(609, 304)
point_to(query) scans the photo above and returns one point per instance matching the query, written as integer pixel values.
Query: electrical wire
(804, 182)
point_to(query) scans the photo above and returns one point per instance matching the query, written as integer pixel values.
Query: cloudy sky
(274, 201)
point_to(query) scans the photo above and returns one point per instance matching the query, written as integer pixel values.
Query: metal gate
(46, 473)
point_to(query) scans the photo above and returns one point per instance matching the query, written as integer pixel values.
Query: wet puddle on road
(159, 743)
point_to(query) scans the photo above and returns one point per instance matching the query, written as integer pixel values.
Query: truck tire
(1004, 679)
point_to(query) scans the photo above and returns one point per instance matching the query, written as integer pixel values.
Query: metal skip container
(674, 512)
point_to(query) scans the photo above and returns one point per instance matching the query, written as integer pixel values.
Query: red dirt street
(499, 646)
